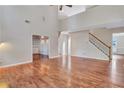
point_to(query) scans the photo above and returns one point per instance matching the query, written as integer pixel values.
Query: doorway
(40, 47)
(64, 42)
(64, 49)
(118, 43)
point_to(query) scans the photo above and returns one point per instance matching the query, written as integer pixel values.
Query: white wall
(0, 41)
(1, 54)
(81, 46)
(17, 34)
(99, 16)
(0, 25)
(0, 32)
(0, 35)
(106, 34)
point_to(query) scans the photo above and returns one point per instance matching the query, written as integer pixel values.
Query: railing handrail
(100, 40)
(109, 47)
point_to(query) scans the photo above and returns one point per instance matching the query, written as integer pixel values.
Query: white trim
(30, 61)
(54, 57)
(90, 57)
(81, 57)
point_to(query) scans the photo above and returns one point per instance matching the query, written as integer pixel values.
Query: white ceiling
(70, 11)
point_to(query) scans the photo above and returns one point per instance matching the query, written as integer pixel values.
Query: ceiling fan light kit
(61, 6)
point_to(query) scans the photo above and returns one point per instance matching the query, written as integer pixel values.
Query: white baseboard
(90, 57)
(81, 57)
(20, 63)
(54, 57)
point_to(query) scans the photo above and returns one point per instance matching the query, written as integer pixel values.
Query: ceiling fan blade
(69, 5)
(61, 7)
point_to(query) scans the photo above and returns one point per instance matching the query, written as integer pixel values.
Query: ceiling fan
(61, 7)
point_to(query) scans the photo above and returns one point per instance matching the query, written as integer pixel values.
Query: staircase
(99, 44)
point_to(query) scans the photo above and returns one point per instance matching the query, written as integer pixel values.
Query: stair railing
(106, 49)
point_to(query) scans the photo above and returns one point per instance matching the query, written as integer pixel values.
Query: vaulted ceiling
(70, 11)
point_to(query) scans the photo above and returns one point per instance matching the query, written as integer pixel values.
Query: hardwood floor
(66, 72)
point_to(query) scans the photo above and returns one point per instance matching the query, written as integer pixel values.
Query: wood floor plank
(57, 72)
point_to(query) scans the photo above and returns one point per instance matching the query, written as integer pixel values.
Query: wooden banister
(100, 40)
(109, 47)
